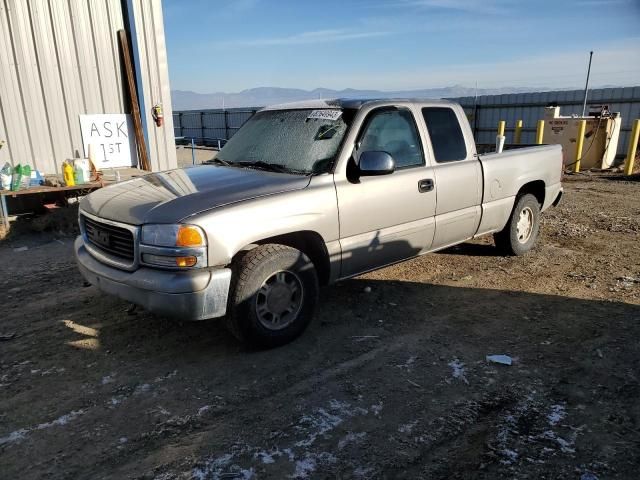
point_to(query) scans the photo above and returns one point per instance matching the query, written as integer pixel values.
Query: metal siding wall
(60, 59)
(529, 107)
(152, 54)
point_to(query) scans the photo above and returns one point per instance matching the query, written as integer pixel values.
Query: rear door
(458, 176)
(387, 218)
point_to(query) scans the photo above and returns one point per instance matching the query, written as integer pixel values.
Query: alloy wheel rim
(279, 300)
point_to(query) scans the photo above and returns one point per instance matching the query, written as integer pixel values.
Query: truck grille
(113, 240)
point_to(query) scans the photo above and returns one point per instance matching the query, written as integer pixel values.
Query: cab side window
(394, 132)
(446, 135)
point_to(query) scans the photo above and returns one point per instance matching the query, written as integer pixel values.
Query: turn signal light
(186, 261)
(189, 236)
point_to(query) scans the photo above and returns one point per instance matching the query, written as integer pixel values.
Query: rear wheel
(273, 297)
(521, 232)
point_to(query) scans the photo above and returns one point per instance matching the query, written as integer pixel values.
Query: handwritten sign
(111, 135)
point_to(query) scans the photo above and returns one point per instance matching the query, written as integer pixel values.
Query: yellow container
(67, 172)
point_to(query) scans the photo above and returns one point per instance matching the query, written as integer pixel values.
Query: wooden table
(81, 189)
(109, 176)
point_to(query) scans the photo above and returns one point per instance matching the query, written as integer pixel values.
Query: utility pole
(586, 87)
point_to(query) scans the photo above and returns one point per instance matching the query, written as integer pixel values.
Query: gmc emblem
(101, 238)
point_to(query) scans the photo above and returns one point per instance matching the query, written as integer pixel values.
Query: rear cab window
(447, 139)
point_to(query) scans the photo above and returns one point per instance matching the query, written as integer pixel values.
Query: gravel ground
(390, 381)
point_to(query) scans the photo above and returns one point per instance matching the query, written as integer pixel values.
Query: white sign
(111, 135)
(325, 114)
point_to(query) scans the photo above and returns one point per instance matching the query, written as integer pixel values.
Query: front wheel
(521, 232)
(274, 295)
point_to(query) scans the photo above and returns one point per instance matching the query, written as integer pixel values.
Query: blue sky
(231, 45)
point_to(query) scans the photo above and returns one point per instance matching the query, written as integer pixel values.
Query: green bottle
(16, 178)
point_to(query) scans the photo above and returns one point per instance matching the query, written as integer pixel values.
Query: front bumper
(187, 295)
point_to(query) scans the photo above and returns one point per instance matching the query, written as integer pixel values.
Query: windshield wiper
(218, 160)
(271, 167)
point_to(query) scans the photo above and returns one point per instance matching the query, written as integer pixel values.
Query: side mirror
(374, 163)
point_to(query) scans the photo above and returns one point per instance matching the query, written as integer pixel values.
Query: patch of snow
(458, 370)
(140, 389)
(212, 468)
(163, 410)
(351, 438)
(318, 424)
(162, 378)
(408, 365)
(203, 410)
(566, 446)
(323, 421)
(270, 456)
(510, 456)
(306, 466)
(556, 414)
(107, 379)
(363, 472)
(264, 457)
(23, 432)
(407, 427)
(376, 408)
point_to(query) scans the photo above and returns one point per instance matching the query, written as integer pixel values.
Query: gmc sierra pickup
(304, 195)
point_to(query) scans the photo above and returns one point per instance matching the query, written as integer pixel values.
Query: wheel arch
(307, 241)
(537, 188)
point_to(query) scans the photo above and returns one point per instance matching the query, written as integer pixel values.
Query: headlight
(173, 236)
(173, 246)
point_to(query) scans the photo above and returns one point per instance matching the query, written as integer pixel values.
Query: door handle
(425, 185)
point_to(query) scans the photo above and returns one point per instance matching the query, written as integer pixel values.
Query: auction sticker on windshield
(325, 114)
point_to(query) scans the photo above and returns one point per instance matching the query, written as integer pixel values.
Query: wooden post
(633, 145)
(135, 106)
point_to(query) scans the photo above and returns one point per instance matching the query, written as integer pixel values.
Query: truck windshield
(294, 141)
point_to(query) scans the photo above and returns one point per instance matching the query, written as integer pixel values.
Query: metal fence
(210, 127)
(484, 112)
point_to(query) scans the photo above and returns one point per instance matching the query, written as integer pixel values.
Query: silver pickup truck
(304, 195)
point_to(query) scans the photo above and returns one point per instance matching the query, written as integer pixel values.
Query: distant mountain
(261, 96)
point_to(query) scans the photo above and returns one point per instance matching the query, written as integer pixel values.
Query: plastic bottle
(16, 178)
(5, 177)
(36, 179)
(67, 172)
(81, 170)
(26, 176)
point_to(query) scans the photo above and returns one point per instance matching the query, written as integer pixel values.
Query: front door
(387, 218)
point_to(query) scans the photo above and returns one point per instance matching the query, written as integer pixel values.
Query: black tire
(256, 276)
(512, 242)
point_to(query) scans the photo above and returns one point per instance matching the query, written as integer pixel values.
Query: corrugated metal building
(60, 59)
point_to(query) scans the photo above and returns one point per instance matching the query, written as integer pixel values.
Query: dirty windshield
(295, 141)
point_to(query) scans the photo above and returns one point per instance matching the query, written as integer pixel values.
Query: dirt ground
(390, 380)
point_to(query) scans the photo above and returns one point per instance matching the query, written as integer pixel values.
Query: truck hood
(169, 197)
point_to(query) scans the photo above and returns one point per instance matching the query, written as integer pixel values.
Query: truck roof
(354, 103)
